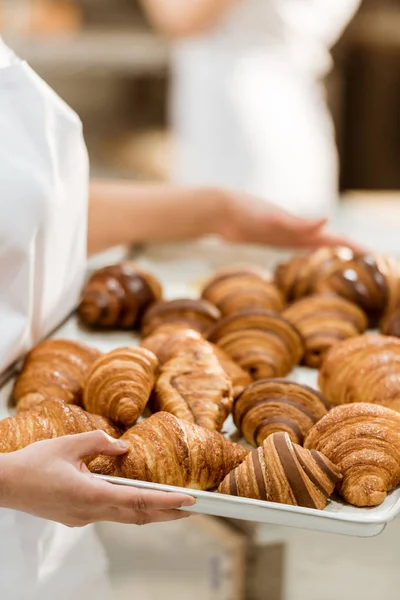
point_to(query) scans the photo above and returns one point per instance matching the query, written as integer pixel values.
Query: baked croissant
(271, 405)
(51, 419)
(53, 369)
(166, 450)
(119, 384)
(238, 288)
(363, 440)
(117, 296)
(280, 471)
(264, 344)
(363, 369)
(193, 314)
(323, 321)
(192, 384)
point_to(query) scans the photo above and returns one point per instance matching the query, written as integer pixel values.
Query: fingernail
(189, 501)
(122, 444)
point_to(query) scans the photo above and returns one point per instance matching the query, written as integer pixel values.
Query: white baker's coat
(43, 207)
(248, 105)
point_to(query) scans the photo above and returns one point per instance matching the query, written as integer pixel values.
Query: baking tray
(335, 518)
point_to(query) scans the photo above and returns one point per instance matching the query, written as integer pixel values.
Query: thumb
(93, 443)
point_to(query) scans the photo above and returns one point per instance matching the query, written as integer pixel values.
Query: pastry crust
(199, 315)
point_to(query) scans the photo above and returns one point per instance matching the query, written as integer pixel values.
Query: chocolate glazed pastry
(54, 369)
(117, 296)
(363, 440)
(280, 471)
(263, 343)
(192, 384)
(235, 289)
(199, 315)
(270, 405)
(363, 369)
(324, 320)
(165, 450)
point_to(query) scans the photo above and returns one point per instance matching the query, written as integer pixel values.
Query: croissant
(119, 384)
(51, 419)
(166, 450)
(264, 344)
(271, 405)
(363, 440)
(391, 324)
(235, 289)
(193, 314)
(363, 369)
(53, 369)
(280, 471)
(117, 296)
(323, 321)
(192, 384)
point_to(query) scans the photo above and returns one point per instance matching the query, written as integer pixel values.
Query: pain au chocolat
(323, 321)
(264, 344)
(280, 471)
(363, 440)
(238, 288)
(271, 405)
(199, 315)
(116, 296)
(166, 450)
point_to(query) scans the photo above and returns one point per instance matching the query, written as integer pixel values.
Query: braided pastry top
(165, 450)
(323, 321)
(119, 384)
(280, 471)
(363, 369)
(117, 296)
(54, 369)
(363, 440)
(199, 315)
(271, 405)
(264, 344)
(235, 289)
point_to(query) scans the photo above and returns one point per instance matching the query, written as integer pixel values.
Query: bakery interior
(107, 61)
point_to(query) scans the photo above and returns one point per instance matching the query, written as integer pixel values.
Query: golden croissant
(119, 384)
(280, 471)
(270, 405)
(238, 288)
(166, 450)
(363, 369)
(51, 419)
(54, 369)
(192, 384)
(264, 344)
(363, 440)
(117, 296)
(193, 314)
(323, 321)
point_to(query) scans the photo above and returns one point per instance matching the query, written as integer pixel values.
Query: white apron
(248, 106)
(43, 207)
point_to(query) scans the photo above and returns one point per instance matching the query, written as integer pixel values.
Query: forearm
(123, 213)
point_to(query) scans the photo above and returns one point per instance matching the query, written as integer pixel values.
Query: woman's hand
(49, 480)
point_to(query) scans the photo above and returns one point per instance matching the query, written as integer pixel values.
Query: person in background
(248, 104)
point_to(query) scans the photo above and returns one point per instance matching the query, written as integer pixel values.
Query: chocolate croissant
(363, 369)
(363, 440)
(53, 369)
(166, 450)
(117, 296)
(323, 321)
(280, 471)
(235, 289)
(199, 315)
(51, 419)
(119, 384)
(192, 384)
(270, 405)
(264, 344)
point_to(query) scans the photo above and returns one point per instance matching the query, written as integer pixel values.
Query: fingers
(327, 238)
(146, 517)
(82, 445)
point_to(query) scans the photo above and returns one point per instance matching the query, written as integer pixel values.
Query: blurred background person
(248, 101)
